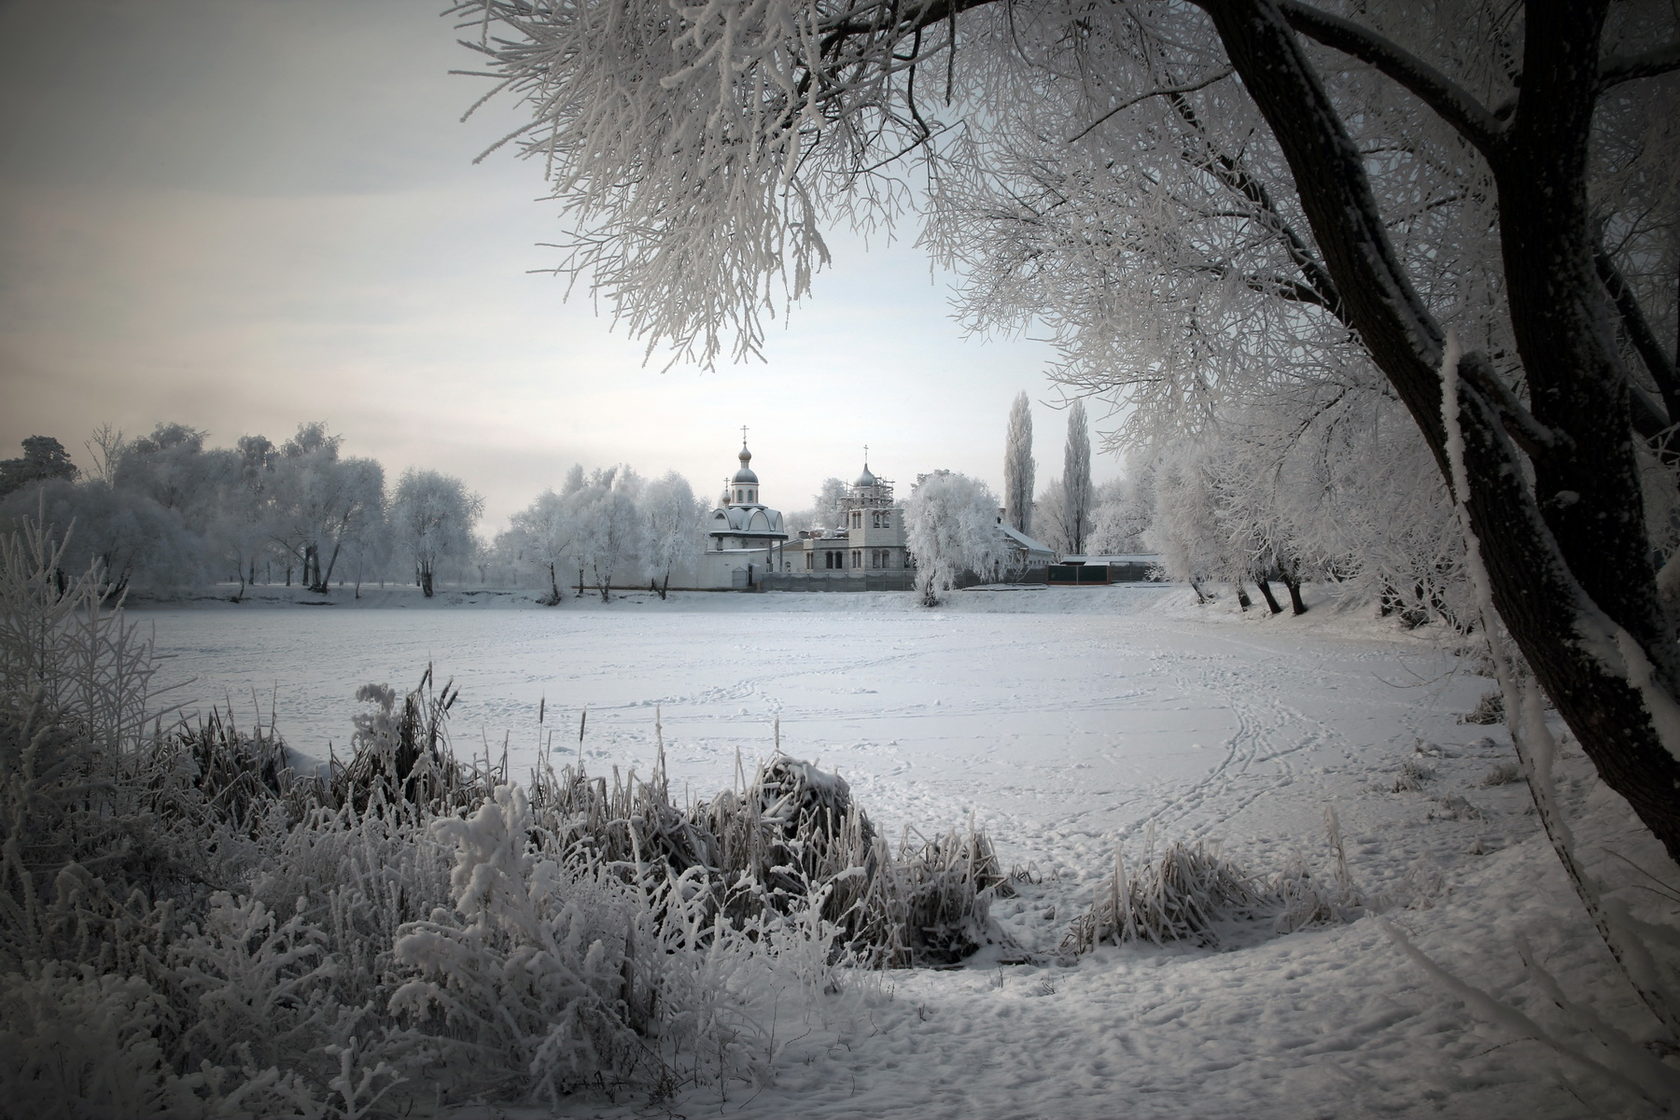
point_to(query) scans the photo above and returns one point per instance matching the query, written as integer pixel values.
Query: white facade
(744, 537)
(869, 540)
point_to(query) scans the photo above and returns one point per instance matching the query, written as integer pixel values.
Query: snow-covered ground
(1065, 722)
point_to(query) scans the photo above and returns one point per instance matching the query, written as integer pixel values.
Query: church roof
(745, 475)
(746, 521)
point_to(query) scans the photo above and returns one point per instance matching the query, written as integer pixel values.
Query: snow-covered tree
(675, 527)
(432, 518)
(129, 538)
(828, 507)
(1122, 510)
(43, 458)
(1076, 478)
(321, 501)
(951, 527)
(1018, 465)
(610, 533)
(169, 467)
(543, 534)
(1049, 519)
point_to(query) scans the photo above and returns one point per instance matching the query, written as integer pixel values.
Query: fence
(838, 581)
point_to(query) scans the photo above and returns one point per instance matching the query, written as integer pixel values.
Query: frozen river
(1054, 709)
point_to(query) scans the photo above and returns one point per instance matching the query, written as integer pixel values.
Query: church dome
(865, 479)
(745, 475)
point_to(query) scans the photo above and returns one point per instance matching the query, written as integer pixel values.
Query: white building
(869, 541)
(744, 537)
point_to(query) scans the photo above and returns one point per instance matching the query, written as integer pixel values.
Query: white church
(747, 541)
(744, 537)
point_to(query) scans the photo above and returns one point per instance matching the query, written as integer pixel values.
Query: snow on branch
(1469, 117)
(696, 146)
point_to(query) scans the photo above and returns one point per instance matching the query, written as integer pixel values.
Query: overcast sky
(245, 214)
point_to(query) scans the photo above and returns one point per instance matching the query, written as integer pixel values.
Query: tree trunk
(1266, 593)
(332, 562)
(554, 595)
(1569, 563)
(1243, 600)
(426, 580)
(1296, 605)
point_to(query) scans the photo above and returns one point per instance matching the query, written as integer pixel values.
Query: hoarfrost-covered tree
(951, 527)
(611, 535)
(43, 458)
(1018, 466)
(432, 518)
(543, 534)
(1076, 478)
(168, 466)
(132, 541)
(828, 507)
(1050, 510)
(1189, 196)
(322, 501)
(1122, 511)
(675, 525)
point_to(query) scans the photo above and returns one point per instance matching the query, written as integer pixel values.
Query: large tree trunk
(1266, 593)
(1297, 605)
(426, 580)
(1568, 563)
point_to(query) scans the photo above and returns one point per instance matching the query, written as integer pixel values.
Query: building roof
(1023, 541)
(745, 475)
(746, 521)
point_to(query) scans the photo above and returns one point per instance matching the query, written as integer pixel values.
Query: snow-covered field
(1065, 722)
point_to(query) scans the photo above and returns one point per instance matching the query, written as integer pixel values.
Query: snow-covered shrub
(75, 1042)
(791, 839)
(405, 753)
(1183, 894)
(944, 890)
(258, 985)
(1414, 773)
(74, 684)
(1489, 709)
(527, 984)
(1501, 774)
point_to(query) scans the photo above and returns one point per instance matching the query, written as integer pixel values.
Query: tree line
(166, 513)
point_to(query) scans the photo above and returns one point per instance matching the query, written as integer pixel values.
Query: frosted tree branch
(1457, 107)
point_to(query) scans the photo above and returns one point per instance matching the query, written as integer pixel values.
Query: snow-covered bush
(403, 753)
(1192, 893)
(792, 840)
(529, 983)
(1183, 894)
(78, 1042)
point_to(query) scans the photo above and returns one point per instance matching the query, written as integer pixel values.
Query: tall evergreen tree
(1076, 478)
(1018, 466)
